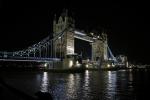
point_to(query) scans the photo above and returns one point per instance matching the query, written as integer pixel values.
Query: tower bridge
(61, 48)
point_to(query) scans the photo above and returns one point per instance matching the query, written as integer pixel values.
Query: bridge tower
(64, 45)
(99, 50)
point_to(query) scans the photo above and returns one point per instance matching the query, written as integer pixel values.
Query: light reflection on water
(130, 76)
(70, 89)
(84, 86)
(45, 82)
(86, 79)
(90, 85)
(111, 85)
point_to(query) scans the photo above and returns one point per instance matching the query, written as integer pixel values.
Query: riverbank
(70, 70)
(82, 69)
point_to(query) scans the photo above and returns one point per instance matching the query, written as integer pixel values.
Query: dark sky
(126, 23)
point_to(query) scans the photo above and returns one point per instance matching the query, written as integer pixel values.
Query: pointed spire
(55, 17)
(65, 12)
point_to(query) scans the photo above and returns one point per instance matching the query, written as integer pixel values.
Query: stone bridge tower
(99, 50)
(64, 45)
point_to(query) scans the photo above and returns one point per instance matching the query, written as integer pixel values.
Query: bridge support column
(68, 63)
(99, 53)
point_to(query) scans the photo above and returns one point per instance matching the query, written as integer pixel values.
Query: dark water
(91, 85)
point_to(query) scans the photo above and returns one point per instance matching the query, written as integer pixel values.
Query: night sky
(126, 23)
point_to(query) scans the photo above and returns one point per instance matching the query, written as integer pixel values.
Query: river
(91, 85)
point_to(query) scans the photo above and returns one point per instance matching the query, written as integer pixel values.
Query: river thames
(90, 85)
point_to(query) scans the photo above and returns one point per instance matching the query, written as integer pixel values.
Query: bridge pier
(68, 63)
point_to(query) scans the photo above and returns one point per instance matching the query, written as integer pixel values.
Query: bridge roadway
(30, 59)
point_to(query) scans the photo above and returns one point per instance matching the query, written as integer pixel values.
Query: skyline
(126, 26)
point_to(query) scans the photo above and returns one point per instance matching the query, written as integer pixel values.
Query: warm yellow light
(86, 65)
(59, 37)
(92, 33)
(45, 65)
(70, 63)
(108, 65)
(88, 60)
(78, 64)
(127, 64)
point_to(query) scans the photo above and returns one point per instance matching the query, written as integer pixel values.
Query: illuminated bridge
(61, 48)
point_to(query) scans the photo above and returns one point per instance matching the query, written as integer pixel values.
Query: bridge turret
(54, 24)
(63, 22)
(104, 36)
(65, 44)
(100, 48)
